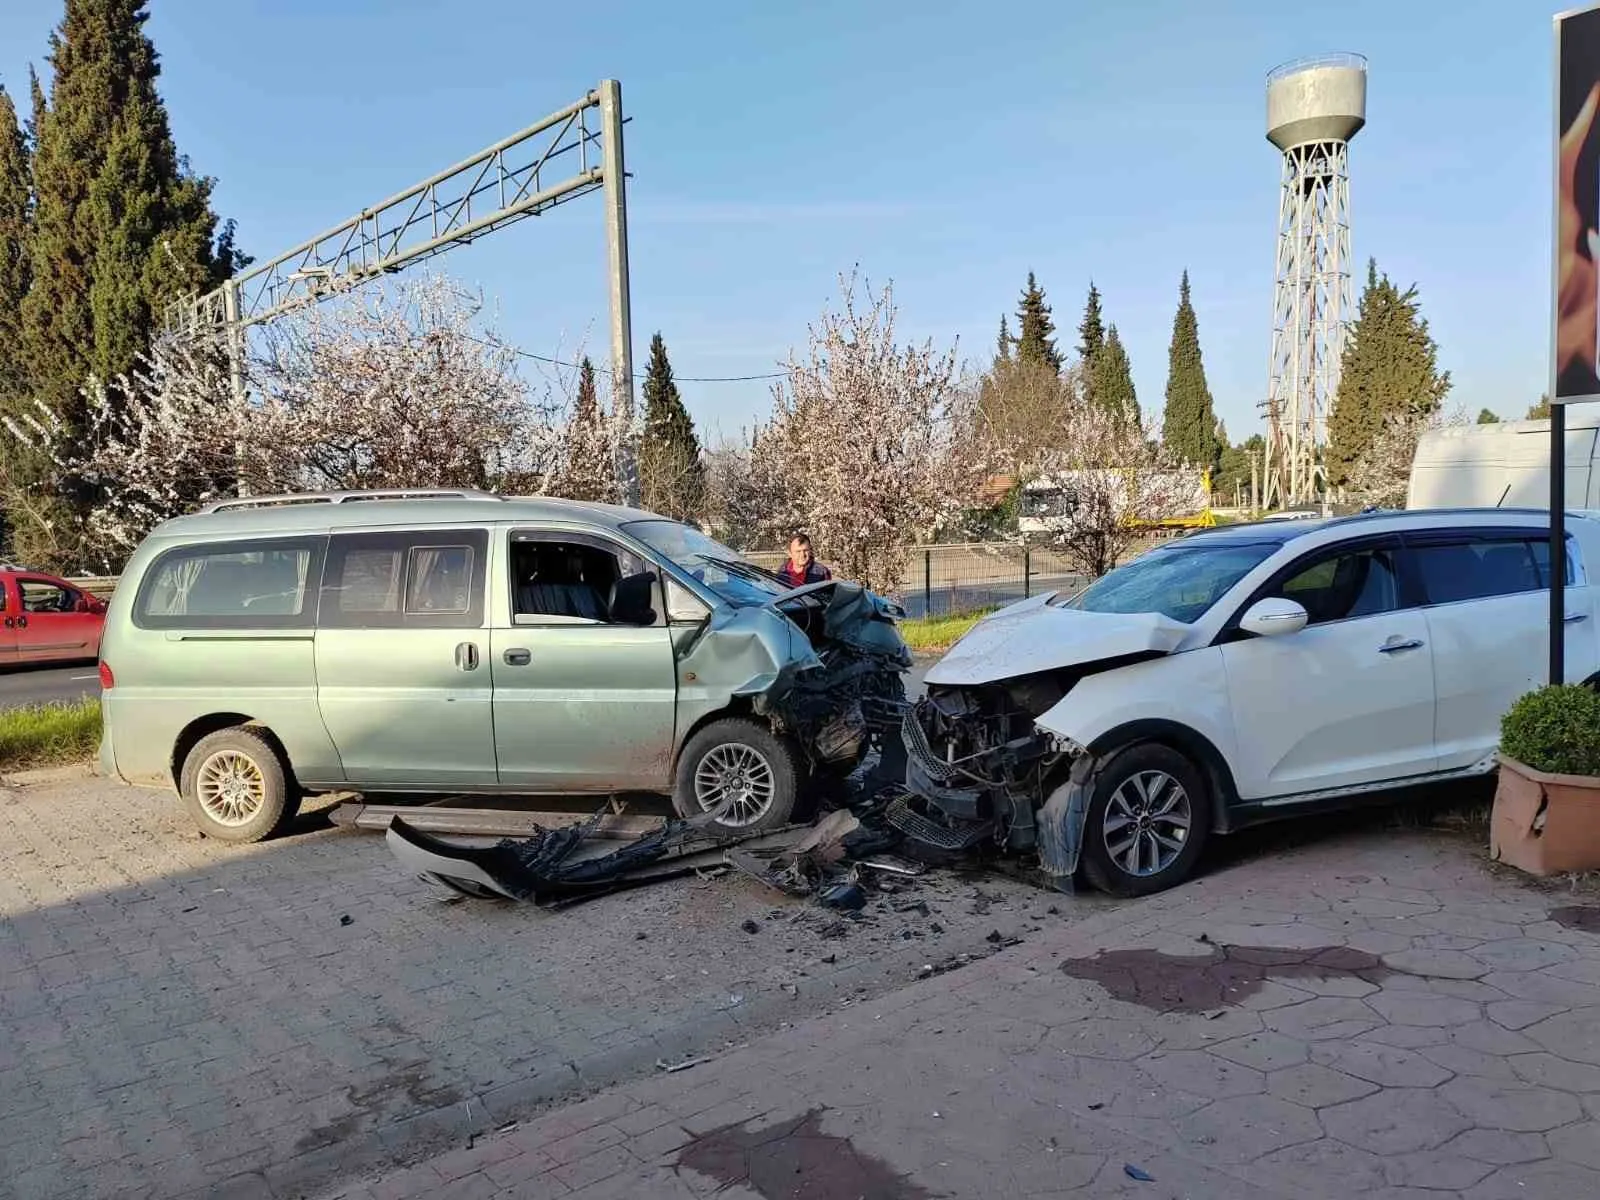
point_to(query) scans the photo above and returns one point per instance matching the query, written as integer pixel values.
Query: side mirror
(683, 606)
(631, 599)
(1273, 617)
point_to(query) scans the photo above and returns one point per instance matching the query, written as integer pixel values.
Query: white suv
(1236, 676)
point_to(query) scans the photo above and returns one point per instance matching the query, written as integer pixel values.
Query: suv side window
(1344, 584)
(427, 579)
(1480, 566)
(580, 579)
(232, 585)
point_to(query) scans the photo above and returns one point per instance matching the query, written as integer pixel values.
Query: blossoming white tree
(863, 450)
(384, 389)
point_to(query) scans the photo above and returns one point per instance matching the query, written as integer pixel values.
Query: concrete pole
(616, 203)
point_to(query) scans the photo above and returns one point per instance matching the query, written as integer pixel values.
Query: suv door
(400, 647)
(585, 675)
(1488, 611)
(49, 625)
(1348, 700)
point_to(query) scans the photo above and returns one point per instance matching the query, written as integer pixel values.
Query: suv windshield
(1178, 581)
(709, 561)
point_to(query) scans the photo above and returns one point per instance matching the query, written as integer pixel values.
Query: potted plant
(1546, 816)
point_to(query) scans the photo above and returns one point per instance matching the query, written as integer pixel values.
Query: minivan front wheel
(1147, 823)
(742, 769)
(235, 786)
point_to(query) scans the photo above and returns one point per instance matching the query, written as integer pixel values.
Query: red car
(46, 619)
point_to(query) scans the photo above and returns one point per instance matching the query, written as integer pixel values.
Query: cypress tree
(1091, 341)
(1112, 379)
(1390, 367)
(1036, 341)
(587, 409)
(15, 191)
(1189, 424)
(672, 475)
(120, 224)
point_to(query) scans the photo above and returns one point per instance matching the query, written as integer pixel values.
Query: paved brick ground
(1372, 1015)
(174, 1012)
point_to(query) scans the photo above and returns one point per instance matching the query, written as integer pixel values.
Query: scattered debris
(1139, 1173)
(673, 1068)
(547, 867)
(640, 936)
(750, 925)
(845, 895)
(830, 958)
(347, 919)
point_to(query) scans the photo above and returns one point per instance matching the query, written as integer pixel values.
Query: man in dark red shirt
(801, 567)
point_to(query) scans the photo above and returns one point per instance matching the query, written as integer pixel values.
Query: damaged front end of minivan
(823, 664)
(987, 765)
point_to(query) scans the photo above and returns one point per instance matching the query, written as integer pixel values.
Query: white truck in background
(1506, 465)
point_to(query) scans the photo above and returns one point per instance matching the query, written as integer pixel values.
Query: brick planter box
(1545, 824)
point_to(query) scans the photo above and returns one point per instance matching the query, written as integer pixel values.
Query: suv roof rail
(350, 497)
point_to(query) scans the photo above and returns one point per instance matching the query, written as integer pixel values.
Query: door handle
(467, 656)
(1574, 618)
(22, 622)
(1408, 644)
(10, 624)
(517, 657)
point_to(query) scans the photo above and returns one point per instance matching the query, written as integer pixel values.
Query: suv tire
(744, 759)
(1148, 819)
(236, 788)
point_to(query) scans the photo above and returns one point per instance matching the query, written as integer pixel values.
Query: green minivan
(394, 643)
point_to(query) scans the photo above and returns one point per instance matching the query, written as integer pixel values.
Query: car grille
(916, 740)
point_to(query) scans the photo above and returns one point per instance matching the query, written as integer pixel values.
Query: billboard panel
(1576, 365)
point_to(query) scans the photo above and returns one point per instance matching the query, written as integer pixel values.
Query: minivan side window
(238, 585)
(1482, 566)
(431, 579)
(562, 579)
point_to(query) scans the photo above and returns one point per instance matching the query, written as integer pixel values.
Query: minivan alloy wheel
(1146, 823)
(736, 776)
(230, 787)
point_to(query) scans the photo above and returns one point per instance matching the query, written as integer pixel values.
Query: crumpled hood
(1032, 636)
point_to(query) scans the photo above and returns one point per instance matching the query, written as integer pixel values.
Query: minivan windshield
(1180, 581)
(709, 561)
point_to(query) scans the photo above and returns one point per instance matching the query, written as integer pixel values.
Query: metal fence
(950, 579)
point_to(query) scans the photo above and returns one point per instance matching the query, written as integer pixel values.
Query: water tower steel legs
(1311, 304)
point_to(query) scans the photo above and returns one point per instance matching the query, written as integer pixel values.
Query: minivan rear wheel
(1148, 818)
(741, 766)
(235, 786)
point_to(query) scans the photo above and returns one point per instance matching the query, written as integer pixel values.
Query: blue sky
(947, 146)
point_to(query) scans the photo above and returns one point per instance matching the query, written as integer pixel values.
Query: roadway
(22, 686)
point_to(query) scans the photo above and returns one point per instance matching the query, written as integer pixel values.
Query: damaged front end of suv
(984, 767)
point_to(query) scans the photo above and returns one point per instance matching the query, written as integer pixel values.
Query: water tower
(1314, 107)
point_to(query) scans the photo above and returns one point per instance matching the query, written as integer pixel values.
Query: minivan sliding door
(402, 673)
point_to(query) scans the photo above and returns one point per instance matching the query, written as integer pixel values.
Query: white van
(1506, 465)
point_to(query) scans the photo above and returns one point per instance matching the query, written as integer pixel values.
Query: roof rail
(290, 498)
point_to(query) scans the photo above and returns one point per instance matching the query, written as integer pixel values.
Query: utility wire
(544, 358)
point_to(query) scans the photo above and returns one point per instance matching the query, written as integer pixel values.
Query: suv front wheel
(742, 768)
(1147, 823)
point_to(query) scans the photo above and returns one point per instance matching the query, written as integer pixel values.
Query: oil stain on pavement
(1228, 974)
(795, 1160)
